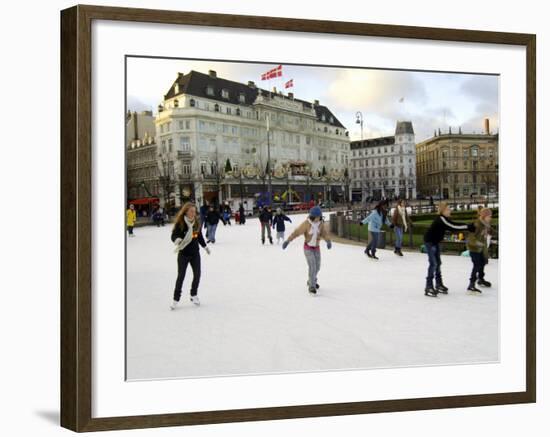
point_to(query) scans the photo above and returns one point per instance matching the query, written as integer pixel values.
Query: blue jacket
(375, 220)
(279, 221)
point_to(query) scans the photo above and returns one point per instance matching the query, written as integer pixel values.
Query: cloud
(482, 88)
(377, 91)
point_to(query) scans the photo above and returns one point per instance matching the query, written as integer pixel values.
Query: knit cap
(315, 212)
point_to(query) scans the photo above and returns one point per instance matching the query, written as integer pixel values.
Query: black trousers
(478, 270)
(183, 262)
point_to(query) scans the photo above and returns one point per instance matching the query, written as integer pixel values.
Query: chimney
(291, 95)
(459, 130)
(316, 102)
(487, 131)
(251, 84)
(450, 132)
(274, 90)
(136, 136)
(212, 73)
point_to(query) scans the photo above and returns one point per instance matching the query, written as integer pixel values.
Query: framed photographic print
(268, 218)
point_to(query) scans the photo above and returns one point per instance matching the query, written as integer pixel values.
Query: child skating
(187, 236)
(376, 219)
(279, 224)
(313, 231)
(478, 246)
(432, 239)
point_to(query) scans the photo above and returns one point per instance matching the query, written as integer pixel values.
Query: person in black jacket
(266, 220)
(279, 223)
(212, 220)
(187, 236)
(242, 218)
(432, 239)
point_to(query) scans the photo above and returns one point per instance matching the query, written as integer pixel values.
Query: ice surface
(256, 315)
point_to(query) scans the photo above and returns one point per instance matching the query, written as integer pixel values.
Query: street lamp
(359, 120)
(268, 159)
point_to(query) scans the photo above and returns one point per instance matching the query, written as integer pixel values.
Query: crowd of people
(188, 238)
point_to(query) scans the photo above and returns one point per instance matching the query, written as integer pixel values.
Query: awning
(144, 201)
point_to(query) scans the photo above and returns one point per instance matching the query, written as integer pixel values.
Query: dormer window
(323, 118)
(238, 111)
(225, 94)
(176, 88)
(242, 98)
(332, 119)
(210, 90)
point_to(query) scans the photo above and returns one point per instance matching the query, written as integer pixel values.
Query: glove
(392, 226)
(360, 223)
(207, 249)
(329, 244)
(178, 241)
(285, 244)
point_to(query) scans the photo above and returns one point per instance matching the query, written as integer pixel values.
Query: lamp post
(268, 159)
(359, 120)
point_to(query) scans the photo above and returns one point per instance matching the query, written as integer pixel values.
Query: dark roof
(404, 127)
(195, 83)
(372, 142)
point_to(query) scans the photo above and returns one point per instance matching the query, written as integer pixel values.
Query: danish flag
(289, 84)
(274, 72)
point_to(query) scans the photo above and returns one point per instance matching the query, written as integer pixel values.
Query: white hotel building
(213, 143)
(384, 167)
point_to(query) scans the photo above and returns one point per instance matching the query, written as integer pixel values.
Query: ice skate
(316, 285)
(173, 305)
(483, 283)
(430, 291)
(367, 252)
(195, 300)
(473, 290)
(312, 291)
(270, 240)
(442, 289)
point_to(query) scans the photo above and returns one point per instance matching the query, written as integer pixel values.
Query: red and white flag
(289, 84)
(274, 72)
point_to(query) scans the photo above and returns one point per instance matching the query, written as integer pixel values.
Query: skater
(478, 246)
(402, 223)
(131, 220)
(226, 215)
(212, 220)
(242, 218)
(432, 239)
(266, 220)
(203, 212)
(187, 236)
(376, 219)
(313, 230)
(279, 222)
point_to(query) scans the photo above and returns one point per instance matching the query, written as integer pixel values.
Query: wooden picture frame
(76, 225)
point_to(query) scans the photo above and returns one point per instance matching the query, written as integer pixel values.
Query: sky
(431, 100)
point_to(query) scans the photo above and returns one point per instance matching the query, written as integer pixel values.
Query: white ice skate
(173, 305)
(195, 300)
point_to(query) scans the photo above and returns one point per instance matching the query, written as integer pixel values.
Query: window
(180, 123)
(170, 142)
(242, 98)
(187, 124)
(185, 145)
(186, 169)
(225, 94)
(238, 111)
(203, 168)
(210, 90)
(217, 107)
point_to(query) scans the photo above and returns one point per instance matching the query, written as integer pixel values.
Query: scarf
(188, 235)
(402, 213)
(314, 232)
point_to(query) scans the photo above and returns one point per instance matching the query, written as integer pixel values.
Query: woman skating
(376, 219)
(279, 224)
(187, 236)
(478, 246)
(432, 239)
(401, 224)
(314, 231)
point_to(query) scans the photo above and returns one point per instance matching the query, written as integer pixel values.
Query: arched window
(238, 111)
(192, 103)
(217, 107)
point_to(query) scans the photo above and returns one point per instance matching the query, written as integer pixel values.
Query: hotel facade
(218, 139)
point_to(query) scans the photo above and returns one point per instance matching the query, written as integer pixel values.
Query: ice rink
(256, 315)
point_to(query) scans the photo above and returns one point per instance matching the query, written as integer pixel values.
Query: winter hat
(315, 212)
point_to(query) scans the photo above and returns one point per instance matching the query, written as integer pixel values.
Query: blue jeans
(211, 232)
(434, 268)
(398, 237)
(373, 243)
